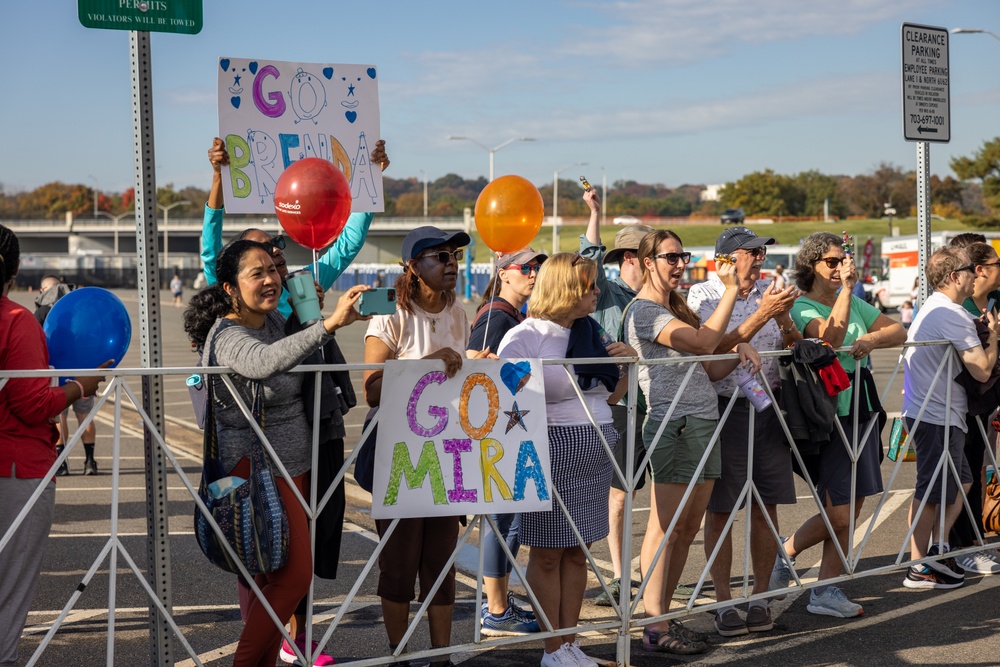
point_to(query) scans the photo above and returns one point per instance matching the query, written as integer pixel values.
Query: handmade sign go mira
(476, 443)
(272, 113)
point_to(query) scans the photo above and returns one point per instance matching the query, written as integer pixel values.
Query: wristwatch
(790, 329)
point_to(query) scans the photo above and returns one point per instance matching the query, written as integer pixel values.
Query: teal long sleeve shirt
(333, 262)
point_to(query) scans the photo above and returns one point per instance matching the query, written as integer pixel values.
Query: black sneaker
(921, 576)
(63, 470)
(946, 566)
(90, 467)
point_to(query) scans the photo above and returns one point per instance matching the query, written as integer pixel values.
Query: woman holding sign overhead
(429, 323)
(559, 326)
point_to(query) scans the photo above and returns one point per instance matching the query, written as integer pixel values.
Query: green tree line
(974, 196)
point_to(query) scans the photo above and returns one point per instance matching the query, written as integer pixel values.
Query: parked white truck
(900, 265)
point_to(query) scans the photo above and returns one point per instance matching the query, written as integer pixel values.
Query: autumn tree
(760, 193)
(985, 166)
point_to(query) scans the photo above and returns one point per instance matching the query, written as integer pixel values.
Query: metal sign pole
(923, 217)
(150, 339)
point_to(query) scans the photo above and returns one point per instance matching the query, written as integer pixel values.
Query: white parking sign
(926, 104)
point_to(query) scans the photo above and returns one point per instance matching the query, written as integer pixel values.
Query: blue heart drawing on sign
(515, 375)
(371, 72)
(328, 73)
(224, 64)
(253, 66)
(351, 116)
(235, 101)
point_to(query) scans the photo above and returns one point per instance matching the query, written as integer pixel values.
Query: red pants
(283, 589)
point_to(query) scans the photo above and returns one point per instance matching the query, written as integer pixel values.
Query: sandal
(670, 641)
(687, 633)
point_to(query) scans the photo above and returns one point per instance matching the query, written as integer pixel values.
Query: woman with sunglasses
(827, 309)
(429, 323)
(559, 326)
(661, 325)
(499, 312)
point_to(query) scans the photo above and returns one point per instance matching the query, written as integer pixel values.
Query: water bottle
(991, 472)
(753, 390)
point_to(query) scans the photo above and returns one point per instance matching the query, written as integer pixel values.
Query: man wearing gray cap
(614, 296)
(761, 318)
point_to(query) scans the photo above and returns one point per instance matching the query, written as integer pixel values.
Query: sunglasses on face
(997, 263)
(971, 268)
(445, 256)
(525, 269)
(673, 257)
(276, 242)
(832, 262)
(756, 252)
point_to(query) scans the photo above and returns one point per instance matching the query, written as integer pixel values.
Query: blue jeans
(495, 563)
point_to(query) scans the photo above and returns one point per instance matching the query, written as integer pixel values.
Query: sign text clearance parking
(476, 443)
(926, 84)
(273, 113)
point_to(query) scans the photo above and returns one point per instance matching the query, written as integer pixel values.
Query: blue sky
(670, 91)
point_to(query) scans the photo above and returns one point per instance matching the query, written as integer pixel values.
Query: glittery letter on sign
(434, 377)
(529, 467)
(428, 465)
(491, 451)
(455, 447)
(492, 396)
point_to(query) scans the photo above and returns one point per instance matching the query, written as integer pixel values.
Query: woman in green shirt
(827, 309)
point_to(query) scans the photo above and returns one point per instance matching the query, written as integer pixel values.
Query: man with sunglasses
(331, 264)
(614, 296)
(942, 317)
(760, 317)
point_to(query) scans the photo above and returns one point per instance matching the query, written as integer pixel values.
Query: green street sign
(180, 16)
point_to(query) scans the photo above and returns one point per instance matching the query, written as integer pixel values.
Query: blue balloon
(87, 327)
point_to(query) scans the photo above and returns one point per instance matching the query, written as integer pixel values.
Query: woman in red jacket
(29, 410)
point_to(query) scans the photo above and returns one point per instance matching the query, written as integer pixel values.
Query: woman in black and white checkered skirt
(558, 327)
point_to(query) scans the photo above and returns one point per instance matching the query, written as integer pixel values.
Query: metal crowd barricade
(624, 610)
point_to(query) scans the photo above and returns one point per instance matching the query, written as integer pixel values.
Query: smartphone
(585, 184)
(991, 304)
(377, 301)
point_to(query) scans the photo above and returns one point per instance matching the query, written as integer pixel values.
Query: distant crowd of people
(706, 445)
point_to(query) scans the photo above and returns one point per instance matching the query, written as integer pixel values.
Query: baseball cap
(735, 238)
(524, 256)
(627, 239)
(422, 238)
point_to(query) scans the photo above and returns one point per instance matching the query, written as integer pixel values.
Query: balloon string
(316, 265)
(489, 308)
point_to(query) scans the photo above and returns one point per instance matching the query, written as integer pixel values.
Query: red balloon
(312, 200)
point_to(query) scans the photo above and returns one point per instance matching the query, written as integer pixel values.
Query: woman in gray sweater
(237, 323)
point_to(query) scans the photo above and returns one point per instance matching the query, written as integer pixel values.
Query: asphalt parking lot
(899, 626)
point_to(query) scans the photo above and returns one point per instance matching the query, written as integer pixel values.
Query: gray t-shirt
(644, 321)
(263, 354)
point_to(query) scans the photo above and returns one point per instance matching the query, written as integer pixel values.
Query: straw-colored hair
(561, 283)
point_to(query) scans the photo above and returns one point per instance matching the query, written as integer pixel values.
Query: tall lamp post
(94, 179)
(166, 221)
(424, 174)
(972, 31)
(491, 150)
(604, 197)
(116, 219)
(555, 203)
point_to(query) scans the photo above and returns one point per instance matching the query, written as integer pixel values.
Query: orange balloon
(509, 213)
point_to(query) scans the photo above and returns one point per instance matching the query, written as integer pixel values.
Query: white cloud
(191, 97)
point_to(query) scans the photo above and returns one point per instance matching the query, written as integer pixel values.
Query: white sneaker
(582, 659)
(980, 562)
(561, 657)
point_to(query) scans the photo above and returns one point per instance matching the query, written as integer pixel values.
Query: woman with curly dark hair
(237, 323)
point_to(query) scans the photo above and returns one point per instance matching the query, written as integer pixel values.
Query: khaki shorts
(680, 448)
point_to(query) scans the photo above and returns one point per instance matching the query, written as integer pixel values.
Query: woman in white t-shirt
(661, 325)
(429, 323)
(559, 326)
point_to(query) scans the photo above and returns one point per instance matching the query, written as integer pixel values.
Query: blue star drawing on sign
(350, 90)
(515, 418)
(236, 80)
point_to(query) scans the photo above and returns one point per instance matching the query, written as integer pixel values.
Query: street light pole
(604, 197)
(166, 221)
(972, 31)
(424, 174)
(94, 179)
(491, 150)
(555, 203)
